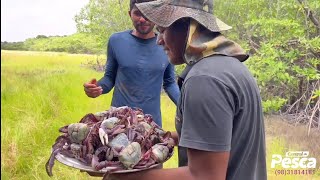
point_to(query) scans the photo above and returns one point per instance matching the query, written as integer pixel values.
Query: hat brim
(164, 14)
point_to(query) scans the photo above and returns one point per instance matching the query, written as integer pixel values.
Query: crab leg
(118, 129)
(50, 163)
(146, 165)
(100, 165)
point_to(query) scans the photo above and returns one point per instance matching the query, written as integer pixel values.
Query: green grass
(41, 92)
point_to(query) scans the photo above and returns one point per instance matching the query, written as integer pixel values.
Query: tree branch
(311, 15)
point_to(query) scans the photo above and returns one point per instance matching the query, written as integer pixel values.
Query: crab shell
(146, 126)
(100, 115)
(110, 122)
(160, 131)
(131, 155)
(160, 153)
(78, 132)
(120, 141)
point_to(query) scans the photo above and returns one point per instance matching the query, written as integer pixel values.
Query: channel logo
(294, 159)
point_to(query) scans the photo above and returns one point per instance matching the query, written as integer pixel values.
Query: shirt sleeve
(108, 80)
(207, 115)
(170, 85)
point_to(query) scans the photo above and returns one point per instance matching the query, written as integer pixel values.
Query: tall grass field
(41, 92)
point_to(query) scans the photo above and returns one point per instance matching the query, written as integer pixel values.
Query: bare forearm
(159, 174)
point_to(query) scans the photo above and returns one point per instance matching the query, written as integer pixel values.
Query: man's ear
(129, 12)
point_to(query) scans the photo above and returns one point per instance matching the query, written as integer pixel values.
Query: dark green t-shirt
(220, 110)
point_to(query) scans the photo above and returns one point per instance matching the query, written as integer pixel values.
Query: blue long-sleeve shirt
(137, 68)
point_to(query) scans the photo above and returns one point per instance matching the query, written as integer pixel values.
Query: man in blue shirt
(137, 68)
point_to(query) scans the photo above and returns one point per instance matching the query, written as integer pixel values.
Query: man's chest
(139, 59)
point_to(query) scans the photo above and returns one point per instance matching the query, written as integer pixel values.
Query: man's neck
(143, 36)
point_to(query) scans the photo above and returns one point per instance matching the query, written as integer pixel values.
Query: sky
(22, 19)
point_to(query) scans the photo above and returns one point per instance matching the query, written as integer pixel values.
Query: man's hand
(108, 176)
(175, 137)
(122, 176)
(91, 89)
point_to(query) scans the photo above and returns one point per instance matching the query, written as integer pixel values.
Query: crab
(78, 132)
(103, 158)
(109, 126)
(125, 146)
(131, 155)
(155, 155)
(119, 138)
(56, 148)
(70, 142)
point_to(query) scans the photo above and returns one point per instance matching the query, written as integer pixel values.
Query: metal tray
(74, 163)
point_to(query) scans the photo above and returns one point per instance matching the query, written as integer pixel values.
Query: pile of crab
(122, 138)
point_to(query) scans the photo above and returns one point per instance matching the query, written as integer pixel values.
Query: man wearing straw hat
(219, 116)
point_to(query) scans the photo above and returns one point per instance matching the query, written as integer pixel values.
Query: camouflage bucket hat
(165, 12)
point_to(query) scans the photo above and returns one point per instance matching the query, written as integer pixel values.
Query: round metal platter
(72, 162)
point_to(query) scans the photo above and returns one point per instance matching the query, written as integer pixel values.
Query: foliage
(282, 37)
(274, 104)
(79, 43)
(13, 46)
(179, 68)
(76, 43)
(97, 64)
(283, 42)
(103, 18)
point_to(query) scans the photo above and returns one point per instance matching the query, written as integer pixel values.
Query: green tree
(283, 40)
(103, 18)
(13, 46)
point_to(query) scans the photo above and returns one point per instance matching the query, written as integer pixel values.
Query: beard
(144, 28)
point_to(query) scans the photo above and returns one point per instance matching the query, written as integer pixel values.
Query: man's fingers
(93, 81)
(89, 85)
(91, 89)
(93, 93)
(86, 89)
(96, 94)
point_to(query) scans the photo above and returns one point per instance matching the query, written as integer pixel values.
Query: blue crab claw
(103, 136)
